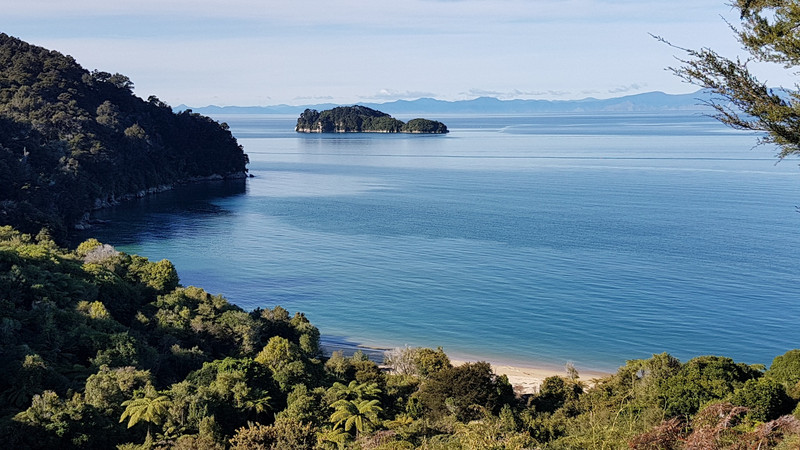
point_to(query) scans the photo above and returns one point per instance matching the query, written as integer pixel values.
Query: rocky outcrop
(114, 200)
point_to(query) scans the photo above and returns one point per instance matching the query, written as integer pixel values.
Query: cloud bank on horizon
(256, 52)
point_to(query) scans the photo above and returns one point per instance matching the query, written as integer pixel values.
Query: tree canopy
(360, 119)
(71, 140)
(101, 349)
(770, 32)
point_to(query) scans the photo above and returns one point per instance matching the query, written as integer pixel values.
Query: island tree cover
(360, 119)
(71, 139)
(101, 349)
(770, 32)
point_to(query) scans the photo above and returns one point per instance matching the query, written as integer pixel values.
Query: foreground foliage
(101, 349)
(769, 32)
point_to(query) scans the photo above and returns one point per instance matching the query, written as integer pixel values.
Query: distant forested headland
(72, 140)
(360, 119)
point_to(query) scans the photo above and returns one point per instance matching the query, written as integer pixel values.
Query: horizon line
(378, 102)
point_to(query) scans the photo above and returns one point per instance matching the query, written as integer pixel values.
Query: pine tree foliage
(770, 32)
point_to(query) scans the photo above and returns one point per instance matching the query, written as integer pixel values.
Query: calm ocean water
(528, 240)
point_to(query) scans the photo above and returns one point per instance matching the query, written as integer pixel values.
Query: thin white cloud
(629, 88)
(378, 12)
(515, 93)
(392, 94)
(317, 98)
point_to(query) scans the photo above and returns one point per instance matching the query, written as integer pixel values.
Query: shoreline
(527, 379)
(111, 200)
(524, 377)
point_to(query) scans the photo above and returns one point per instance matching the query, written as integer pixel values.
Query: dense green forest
(72, 140)
(100, 349)
(360, 119)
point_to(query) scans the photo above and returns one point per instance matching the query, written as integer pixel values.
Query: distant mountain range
(650, 101)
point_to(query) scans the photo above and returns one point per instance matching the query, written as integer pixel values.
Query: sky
(267, 52)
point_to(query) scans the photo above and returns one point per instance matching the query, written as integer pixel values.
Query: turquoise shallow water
(541, 239)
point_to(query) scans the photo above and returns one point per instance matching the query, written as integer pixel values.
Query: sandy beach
(526, 380)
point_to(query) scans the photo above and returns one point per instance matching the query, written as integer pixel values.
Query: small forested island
(72, 140)
(360, 119)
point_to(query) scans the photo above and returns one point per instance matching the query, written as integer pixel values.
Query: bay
(539, 240)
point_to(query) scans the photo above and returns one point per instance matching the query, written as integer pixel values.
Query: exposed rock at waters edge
(360, 119)
(111, 200)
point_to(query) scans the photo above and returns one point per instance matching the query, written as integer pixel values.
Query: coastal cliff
(360, 119)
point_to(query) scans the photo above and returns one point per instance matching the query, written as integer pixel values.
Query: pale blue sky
(256, 52)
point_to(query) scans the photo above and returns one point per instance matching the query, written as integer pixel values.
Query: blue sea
(529, 240)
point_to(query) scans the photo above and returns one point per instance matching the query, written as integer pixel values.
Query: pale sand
(526, 380)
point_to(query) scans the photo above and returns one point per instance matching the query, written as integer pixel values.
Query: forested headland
(72, 140)
(360, 119)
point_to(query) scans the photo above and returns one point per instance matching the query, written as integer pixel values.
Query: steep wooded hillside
(71, 139)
